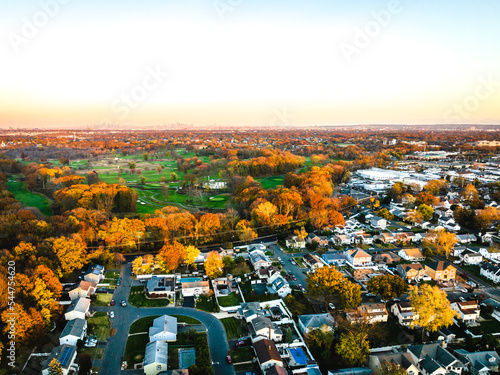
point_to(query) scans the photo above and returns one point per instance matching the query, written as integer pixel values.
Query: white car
(331, 306)
(112, 314)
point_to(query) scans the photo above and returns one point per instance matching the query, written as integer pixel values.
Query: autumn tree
(353, 348)
(484, 218)
(213, 265)
(192, 253)
(55, 367)
(389, 368)
(432, 307)
(413, 216)
(245, 231)
(426, 211)
(70, 253)
(295, 307)
(385, 214)
(328, 283)
(171, 256)
(387, 286)
(123, 234)
(442, 242)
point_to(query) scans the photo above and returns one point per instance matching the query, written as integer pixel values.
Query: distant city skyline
(248, 62)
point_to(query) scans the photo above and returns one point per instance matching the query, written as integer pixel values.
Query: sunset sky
(248, 62)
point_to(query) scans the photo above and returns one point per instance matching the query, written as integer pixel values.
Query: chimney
(269, 335)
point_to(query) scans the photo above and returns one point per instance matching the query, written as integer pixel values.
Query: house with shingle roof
(164, 328)
(440, 271)
(490, 271)
(155, 358)
(312, 261)
(358, 257)
(94, 274)
(414, 271)
(403, 360)
(435, 359)
(84, 289)
(267, 354)
(79, 308)
(74, 330)
(412, 254)
(467, 311)
(479, 363)
(311, 322)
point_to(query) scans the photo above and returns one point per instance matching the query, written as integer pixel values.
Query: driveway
(125, 316)
(188, 302)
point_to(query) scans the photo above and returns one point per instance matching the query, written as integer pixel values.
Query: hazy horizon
(247, 63)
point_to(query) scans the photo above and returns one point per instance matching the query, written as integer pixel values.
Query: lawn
(474, 270)
(244, 354)
(95, 353)
(99, 325)
(387, 245)
(186, 319)
(205, 303)
(233, 328)
(140, 300)
(271, 182)
(28, 198)
(135, 349)
(232, 299)
(142, 325)
(300, 262)
(111, 282)
(490, 325)
(102, 299)
(112, 274)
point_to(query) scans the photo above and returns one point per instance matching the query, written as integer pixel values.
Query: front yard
(205, 303)
(102, 299)
(99, 325)
(138, 298)
(232, 299)
(488, 325)
(234, 329)
(135, 349)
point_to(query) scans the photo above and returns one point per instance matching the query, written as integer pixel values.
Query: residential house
(295, 242)
(467, 311)
(369, 312)
(263, 326)
(358, 257)
(94, 274)
(466, 238)
(388, 258)
(84, 290)
(155, 358)
(363, 239)
(276, 370)
(251, 310)
(479, 363)
(490, 271)
(65, 355)
(161, 287)
(312, 261)
(267, 354)
(471, 257)
(440, 271)
(489, 254)
(403, 360)
(195, 288)
(378, 222)
(74, 330)
(308, 323)
(79, 308)
(457, 250)
(164, 328)
(404, 314)
(487, 238)
(449, 224)
(412, 254)
(322, 241)
(341, 239)
(409, 272)
(336, 259)
(435, 359)
(266, 273)
(405, 237)
(259, 259)
(386, 237)
(280, 285)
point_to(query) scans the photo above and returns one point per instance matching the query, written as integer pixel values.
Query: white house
(412, 255)
(312, 261)
(466, 238)
(163, 287)
(155, 358)
(369, 312)
(74, 330)
(79, 308)
(489, 254)
(164, 329)
(471, 257)
(94, 274)
(378, 222)
(65, 355)
(280, 285)
(195, 288)
(263, 326)
(259, 259)
(468, 311)
(310, 322)
(84, 290)
(295, 242)
(490, 271)
(358, 257)
(404, 313)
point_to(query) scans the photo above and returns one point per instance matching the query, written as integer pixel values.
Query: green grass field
(271, 182)
(29, 199)
(233, 328)
(99, 325)
(232, 299)
(135, 349)
(103, 299)
(142, 325)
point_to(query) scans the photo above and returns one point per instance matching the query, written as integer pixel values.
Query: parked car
(112, 314)
(123, 303)
(461, 299)
(229, 360)
(331, 306)
(112, 303)
(118, 282)
(240, 343)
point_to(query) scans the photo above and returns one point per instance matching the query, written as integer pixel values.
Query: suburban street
(125, 316)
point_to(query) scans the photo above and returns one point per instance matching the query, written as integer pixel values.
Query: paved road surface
(125, 316)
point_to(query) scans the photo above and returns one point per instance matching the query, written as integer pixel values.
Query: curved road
(125, 316)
